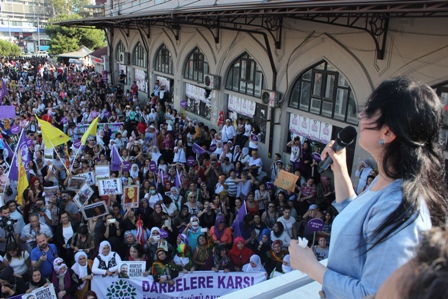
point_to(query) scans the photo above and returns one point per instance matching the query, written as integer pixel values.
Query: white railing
(293, 285)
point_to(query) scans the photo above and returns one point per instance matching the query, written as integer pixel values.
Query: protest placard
(286, 180)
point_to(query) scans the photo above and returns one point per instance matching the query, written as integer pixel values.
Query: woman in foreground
(377, 231)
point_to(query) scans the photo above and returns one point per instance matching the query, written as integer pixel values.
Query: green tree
(69, 38)
(9, 49)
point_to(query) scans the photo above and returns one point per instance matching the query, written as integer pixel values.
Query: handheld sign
(64, 120)
(315, 224)
(212, 148)
(15, 130)
(152, 166)
(126, 166)
(190, 161)
(77, 144)
(286, 180)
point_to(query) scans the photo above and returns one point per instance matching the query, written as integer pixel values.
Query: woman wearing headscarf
(163, 269)
(254, 265)
(240, 254)
(275, 257)
(278, 232)
(82, 268)
(183, 259)
(264, 244)
(11, 284)
(64, 280)
(157, 217)
(106, 262)
(36, 280)
(245, 155)
(156, 240)
(286, 266)
(134, 172)
(193, 230)
(155, 154)
(176, 197)
(220, 233)
(180, 221)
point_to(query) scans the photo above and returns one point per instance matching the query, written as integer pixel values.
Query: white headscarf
(155, 155)
(287, 268)
(107, 258)
(134, 173)
(258, 268)
(155, 228)
(58, 264)
(81, 271)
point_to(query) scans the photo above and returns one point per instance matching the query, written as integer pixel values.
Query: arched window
(139, 55)
(245, 76)
(196, 66)
(119, 50)
(324, 91)
(164, 60)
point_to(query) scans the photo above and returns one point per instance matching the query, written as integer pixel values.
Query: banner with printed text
(114, 127)
(47, 292)
(200, 284)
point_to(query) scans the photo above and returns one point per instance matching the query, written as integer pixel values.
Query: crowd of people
(188, 210)
(206, 201)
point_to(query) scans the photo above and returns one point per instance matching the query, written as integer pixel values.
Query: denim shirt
(353, 272)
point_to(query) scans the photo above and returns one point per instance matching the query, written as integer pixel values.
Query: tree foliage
(9, 49)
(70, 38)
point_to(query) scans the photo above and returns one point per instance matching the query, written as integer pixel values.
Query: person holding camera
(31, 230)
(212, 173)
(9, 230)
(70, 207)
(40, 209)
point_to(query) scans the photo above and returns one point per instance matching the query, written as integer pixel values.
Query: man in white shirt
(228, 132)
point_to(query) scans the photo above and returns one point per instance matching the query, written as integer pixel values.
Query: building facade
(292, 68)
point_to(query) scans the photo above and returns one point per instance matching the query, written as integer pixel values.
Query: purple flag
(10, 152)
(23, 147)
(177, 179)
(197, 149)
(239, 219)
(116, 162)
(3, 92)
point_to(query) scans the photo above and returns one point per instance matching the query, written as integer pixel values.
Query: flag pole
(59, 157)
(15, 154)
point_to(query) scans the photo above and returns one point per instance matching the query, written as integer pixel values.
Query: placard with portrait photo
(131, 194)
(89, 176)
(83, 195)
(110, 186)
(94, 210)
(75, 183)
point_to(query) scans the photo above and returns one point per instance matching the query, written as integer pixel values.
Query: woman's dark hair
(428, 280)
(280, 229)
(82, 230)
(247, 219)
(139, 249)
(13, 246)
(413, 112)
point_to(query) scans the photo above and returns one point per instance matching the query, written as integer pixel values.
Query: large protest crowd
(219, 210)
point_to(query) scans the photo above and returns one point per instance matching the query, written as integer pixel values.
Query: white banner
(314, 132)
(195, 92)
(241, 106)
(199, 284)
(140, 79)
(164, 81)
(40, 293)
(304, 126)
(325, 132)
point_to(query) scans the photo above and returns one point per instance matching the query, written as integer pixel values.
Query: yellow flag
(22, 178)
(52, 136)
(91, 130)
